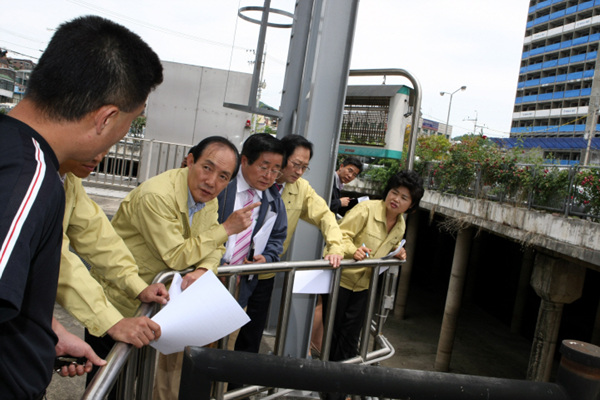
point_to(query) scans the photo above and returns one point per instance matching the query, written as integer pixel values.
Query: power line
(21, 54)
(151, 26)
(158, 28)
(21, 36)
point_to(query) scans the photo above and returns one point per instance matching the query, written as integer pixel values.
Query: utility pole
(474, 122)
(591, 132)
(261, 85)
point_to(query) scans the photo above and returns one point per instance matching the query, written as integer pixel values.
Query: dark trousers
(258, 307)
(347, 325)
(348, 322)
(102, 346)
(250, 335)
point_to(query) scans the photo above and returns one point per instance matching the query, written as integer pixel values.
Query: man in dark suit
(261, 164)
(346, 173)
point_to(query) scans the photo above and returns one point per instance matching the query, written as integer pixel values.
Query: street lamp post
(450, 104)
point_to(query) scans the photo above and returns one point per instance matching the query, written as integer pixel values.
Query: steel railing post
(330, 315)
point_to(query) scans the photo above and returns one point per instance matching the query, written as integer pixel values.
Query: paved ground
(483, 346)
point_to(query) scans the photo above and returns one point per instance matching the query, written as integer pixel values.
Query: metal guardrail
(572, 190)
(133, 160)
(142, 366)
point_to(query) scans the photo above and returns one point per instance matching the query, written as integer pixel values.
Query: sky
(444, 44)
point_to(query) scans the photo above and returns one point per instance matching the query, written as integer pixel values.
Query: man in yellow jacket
(170, 222)
(302, 202)
(88, 231)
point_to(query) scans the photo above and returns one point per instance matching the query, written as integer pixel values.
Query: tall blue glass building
(558, 92)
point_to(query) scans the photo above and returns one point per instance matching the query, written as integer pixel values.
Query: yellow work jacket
(366, 223)
(302, 202)
(88, 231)
(154, 224)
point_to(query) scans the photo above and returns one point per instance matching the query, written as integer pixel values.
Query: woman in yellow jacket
(372, 228)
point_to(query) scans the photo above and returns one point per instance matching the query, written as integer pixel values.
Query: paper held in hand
(395, 251)
(201, 314)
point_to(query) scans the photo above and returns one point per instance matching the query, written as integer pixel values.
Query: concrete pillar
(453, 299)
(523, 286)
(412, 228)
(557, 282)
(473, 268)
(596, 332)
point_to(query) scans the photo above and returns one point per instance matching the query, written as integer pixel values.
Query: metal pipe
(106, 376)
(284, 312)
(117, 358)
(385, 352)
(202, 365)
(364, 343)
(329, 318)
(260, 48)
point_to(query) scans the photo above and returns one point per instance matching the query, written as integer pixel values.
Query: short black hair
(353, 161)
(89, 63)
(261, 143)
(291, 142)
(410, 180)
(198, 149)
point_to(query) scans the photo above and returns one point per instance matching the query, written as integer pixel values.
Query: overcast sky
(444, 44)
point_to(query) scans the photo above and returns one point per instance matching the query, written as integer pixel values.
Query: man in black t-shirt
(90, 83)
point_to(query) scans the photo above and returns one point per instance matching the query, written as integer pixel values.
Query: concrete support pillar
(523, 286)
(557, 282)
(473, 268)
(412, 228)
(453, 299)
(596, 332)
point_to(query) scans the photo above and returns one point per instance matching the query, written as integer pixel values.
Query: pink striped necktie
(242, 244)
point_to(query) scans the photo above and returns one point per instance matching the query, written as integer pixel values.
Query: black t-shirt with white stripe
(31, 213)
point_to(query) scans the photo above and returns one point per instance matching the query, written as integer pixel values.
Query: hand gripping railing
(121, 353)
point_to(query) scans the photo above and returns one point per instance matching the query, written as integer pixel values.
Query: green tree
(137, 126)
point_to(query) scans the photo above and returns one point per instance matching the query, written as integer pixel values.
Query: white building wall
(188, 107)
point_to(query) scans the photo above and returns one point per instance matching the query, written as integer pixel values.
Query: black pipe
(201, 366)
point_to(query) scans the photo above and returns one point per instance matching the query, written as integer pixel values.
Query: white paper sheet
(395, 251)
(390, 255)
(262, 236)
(175, 288)
(201, 314)
(312, 281)
(363, 198)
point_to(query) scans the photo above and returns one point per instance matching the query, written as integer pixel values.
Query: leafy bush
(587, 184)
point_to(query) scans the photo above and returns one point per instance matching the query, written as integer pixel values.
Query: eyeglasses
(298, 166)
(266, 171)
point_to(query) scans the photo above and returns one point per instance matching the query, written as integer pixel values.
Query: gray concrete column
(596, 332)
(412, 228)
(453, 299)
(557, 282)
(473, 268)
(522, 287)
